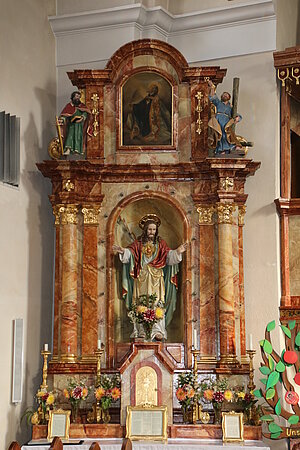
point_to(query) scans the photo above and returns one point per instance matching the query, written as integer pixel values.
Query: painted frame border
(130, 410)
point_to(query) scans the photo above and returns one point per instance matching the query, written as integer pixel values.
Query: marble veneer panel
(294, 250)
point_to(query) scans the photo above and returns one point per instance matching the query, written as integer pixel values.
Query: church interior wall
(28, 90)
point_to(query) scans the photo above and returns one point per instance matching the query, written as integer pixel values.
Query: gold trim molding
(242, 212)
(206, 213)
(95, 113)
(199, 109)
(90, 215)
(225, 213)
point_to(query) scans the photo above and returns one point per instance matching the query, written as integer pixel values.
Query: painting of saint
(146, 111)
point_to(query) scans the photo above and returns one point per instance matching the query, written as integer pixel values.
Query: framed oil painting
(146, 111)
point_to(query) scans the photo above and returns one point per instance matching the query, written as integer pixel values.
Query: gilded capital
(90, 215)
(68, 215)
(225, 212)
(226, 184)
(56, 213)
(206, 213)
(242, 212)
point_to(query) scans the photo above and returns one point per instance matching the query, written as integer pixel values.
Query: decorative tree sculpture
(281, 374)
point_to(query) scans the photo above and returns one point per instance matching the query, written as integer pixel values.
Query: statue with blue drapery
(150, 268)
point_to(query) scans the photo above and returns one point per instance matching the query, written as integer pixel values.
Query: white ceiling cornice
(159, 17)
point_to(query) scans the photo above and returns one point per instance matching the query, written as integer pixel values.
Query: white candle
(69, 348)
(45, 347)
(195, 339)
(250, 342)
(99, 343)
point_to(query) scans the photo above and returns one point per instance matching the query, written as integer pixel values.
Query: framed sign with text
(146, 423)
(59, 424)
(232, 427)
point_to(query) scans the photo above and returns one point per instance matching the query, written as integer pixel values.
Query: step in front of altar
(181, 431)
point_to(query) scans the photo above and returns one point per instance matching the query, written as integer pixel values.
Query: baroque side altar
(129, 168)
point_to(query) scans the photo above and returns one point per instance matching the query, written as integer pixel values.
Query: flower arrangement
(221, 396)
(108, 390)
(147, 312)
(188, 393)
(75, 393)
(45, 399)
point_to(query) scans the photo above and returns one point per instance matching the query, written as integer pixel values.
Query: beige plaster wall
(27, 89)
(287, 33)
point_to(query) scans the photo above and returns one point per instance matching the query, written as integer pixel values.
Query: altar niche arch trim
(133, 375)
(185, 265)
(120, 99)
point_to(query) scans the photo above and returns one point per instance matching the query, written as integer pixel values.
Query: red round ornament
(290, 357)
(292, 398)
(297, 378)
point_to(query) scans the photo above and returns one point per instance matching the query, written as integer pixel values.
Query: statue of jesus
(150, 267)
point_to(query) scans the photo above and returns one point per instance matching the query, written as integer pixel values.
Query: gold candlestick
(198, 414)
(45, 354)
(98, 410)
(251, 385)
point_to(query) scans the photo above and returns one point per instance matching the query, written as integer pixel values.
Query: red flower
(77, 393)
(218, 397)
(149, 315)
(292, 398)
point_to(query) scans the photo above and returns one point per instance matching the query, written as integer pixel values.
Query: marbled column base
(68, 358)
(228, 360)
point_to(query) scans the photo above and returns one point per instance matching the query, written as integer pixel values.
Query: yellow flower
(35, 418)
(84, 392)
(66, 393)
(50, 400)
(159, 313)
(40, 393)
(228, 395)
(241, 395)
(141, 309)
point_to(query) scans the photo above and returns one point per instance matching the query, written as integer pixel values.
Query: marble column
(241, 217)
(226, 288)
(57, 283)
(208, 333)
(69, 313)
(89, 282)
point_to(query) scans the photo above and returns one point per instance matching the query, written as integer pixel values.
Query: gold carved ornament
(146, 387)
(296, 73)
(205, 214)
(68, 215)
(199, 109)
(242, 212)
(226, 184)
(225, 212)
(90, 215)
(68, 185)
(95, 113)
(283, 74)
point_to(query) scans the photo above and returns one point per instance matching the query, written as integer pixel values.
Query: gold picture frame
(232, 427)
(59, 424)
(147, 423)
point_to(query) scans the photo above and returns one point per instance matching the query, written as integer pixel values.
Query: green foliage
(266, 345)
(267, 418)
(264, 370)
(278, 408)
(280, 367)
(292, 324)
(272, 379)
(293, 419)
(297, 340)
(274, 428)
(286, 331)
(257, 393)
(271, 325)
(275, 435)
(270, 393)
(271, 362)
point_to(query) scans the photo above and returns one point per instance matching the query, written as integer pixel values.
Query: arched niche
(125, 228)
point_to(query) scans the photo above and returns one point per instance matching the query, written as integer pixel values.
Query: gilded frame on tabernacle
(146, 103)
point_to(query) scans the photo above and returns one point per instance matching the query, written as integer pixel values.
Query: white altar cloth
(172, 444)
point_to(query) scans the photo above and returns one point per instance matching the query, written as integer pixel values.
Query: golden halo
(153, 217)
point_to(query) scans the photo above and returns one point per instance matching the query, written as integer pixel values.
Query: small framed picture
(59, 424)
(147, 423)
(232, 427)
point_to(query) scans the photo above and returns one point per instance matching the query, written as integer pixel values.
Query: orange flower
(115, 393)
(228, 395)
(191, 393)
(99, 392)
(159, 313)
(66, 393)
(141, 309)
(181, 394)
(208, 394)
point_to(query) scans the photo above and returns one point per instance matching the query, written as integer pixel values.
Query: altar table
(172, 444)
